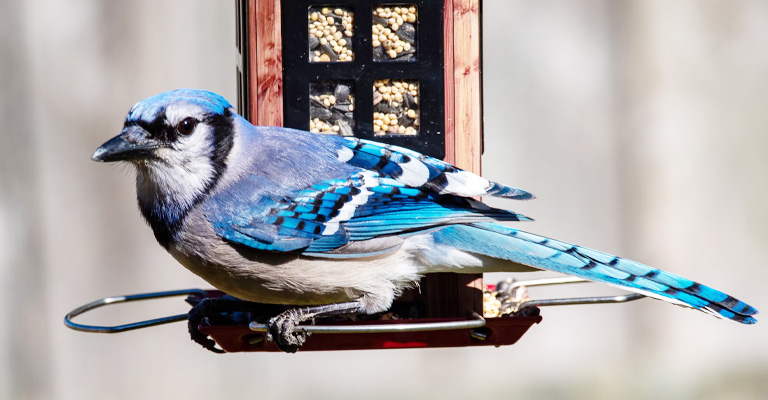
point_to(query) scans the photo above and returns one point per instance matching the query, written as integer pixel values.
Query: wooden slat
(467, 117)
(450, 143)
(455, 295)
(466, 50)
(253, 98)
(269, 64)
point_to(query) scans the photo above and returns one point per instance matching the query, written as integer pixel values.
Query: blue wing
(373, 190)
(333, 213)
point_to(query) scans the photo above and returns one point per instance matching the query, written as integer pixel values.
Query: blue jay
(338, 225)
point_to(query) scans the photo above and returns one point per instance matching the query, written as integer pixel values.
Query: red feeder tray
(357, 336)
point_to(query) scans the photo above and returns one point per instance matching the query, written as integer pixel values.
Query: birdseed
(330, 34)
(395, 107)
(394, 32)
(331, 108)
(503, 298)
(491, 305)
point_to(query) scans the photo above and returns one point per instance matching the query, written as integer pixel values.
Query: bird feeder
(405, 73)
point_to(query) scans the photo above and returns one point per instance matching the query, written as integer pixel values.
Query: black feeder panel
(421, 67)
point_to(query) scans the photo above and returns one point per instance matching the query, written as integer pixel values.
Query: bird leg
(283, 330)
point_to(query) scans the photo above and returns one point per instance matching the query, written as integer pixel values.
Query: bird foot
(284, 331)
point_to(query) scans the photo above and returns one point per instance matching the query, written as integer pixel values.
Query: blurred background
(640, 125)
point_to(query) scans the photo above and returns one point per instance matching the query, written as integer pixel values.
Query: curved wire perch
(124, 299)
(477, 321)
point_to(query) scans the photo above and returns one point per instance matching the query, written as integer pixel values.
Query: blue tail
(505, 243)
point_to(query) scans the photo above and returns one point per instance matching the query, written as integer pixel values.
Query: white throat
(180, 174)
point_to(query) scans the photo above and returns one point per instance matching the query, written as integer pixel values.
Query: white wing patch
(415, 173)
(347, 211)
(465, 183)
(345, 154)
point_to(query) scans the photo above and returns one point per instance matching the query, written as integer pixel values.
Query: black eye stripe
(161, 129)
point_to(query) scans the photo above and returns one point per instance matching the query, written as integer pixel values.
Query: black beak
(125, 147)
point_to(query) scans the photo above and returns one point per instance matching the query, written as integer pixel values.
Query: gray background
(640, 125)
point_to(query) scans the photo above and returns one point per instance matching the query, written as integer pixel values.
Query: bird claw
(282, 330)
(285, 332)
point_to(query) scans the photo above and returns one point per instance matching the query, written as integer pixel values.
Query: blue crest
(149, 108)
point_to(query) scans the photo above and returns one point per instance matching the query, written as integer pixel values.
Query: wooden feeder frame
(260, 72)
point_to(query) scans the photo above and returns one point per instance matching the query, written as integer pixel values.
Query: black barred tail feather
(498, 241)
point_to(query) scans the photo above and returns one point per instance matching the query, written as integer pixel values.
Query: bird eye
(186, 126)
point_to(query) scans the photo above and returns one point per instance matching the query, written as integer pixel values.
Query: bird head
(179, 142)
(171, 127)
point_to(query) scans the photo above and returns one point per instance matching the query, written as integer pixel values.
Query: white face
(182, 169)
